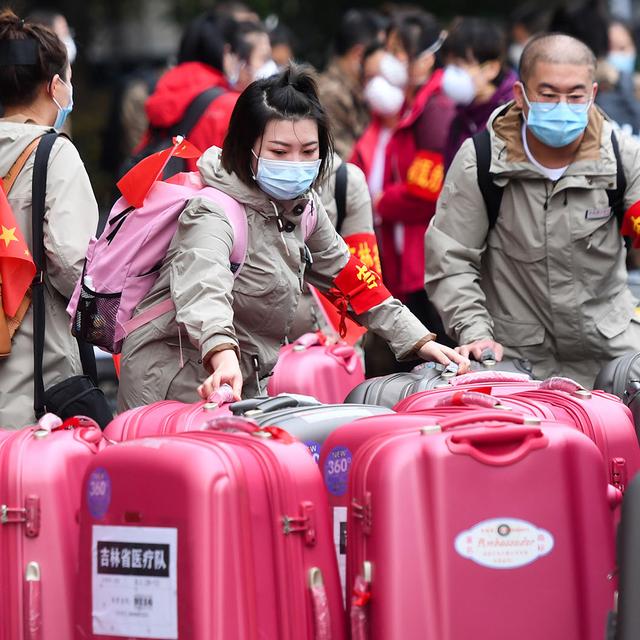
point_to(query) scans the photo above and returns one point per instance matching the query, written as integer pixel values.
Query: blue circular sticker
(314, 449)
(99, 493)
(336, 470)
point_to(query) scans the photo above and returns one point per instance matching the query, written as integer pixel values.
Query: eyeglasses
(547, 101)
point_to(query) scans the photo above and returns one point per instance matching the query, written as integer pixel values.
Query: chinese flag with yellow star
(17, 268)
(631, 225)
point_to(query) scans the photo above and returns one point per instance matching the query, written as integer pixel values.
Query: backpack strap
(195, 111)
(616, 196)
(341, 195)
(18, 165)
(491, 193)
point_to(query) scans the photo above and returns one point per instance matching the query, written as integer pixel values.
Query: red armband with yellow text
(631, 224)
(426, 175)
(365, 247)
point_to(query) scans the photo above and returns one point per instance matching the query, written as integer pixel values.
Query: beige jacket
(358, 219)
(71, 217)
(255, 311)
(549, 281)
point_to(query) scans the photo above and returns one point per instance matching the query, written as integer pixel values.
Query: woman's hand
(226, 369)
(444, 355)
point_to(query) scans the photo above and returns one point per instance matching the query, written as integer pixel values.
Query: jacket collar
(595, 156)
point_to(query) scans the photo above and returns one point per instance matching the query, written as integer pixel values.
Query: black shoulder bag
(77, 395)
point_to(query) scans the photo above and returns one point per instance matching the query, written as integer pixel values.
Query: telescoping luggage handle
(231, 424)
(495, 445)
(471, 399)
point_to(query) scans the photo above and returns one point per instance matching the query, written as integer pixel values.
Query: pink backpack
(123, 263)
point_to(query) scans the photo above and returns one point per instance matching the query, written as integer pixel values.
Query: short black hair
(533, 18)
(357, 26)
(203, 40)
(291, 94)
(555, 48)
(476, 39)
(241, 45)
(417, 30)
(588, 22)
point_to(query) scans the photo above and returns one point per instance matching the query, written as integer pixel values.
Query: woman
(476, 77)
(230, 331)
(36, 92)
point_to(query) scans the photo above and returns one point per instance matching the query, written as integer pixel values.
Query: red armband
(365, 247)
(426, 175)
(631, 224)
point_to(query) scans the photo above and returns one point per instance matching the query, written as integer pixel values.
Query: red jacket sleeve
(398, 205)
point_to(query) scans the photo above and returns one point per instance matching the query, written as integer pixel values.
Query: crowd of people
(491, 175)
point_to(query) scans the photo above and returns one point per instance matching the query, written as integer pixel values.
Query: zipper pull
(255, 361)
(280, 225)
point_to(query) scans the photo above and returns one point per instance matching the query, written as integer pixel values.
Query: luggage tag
(598, 214)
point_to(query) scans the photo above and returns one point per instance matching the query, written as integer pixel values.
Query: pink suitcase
(168, 416)
(488, 526)
(310, 366)
(234, 527)
(41, 471)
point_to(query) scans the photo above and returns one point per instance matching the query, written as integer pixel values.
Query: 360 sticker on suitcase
(504, 543)
(134, 582)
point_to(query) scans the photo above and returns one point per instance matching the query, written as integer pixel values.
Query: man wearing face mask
(476, 77)
(537, 270)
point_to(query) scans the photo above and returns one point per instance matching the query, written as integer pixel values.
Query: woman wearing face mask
(36, 91)
(401, 153)
(250, 56)
(475, 77)
(230, 331)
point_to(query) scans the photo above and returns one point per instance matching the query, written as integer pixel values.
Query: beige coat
(549, 281)
(255, 311)
(71, 217)
(358, 219)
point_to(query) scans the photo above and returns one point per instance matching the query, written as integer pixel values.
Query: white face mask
(394, 71)
(382, 97)
(72, 50)
(458, 85)
(267, 70)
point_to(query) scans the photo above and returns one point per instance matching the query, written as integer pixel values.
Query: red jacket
(175, 91)
(412, 182)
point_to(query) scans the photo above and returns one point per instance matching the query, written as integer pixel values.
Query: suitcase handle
(488, 376)
(345, 355)
(488, 446)
(359, 600)
(245, 425)
(32, 602)
(473, 419)
(488, 357)
(321, 611)
(470, 399)
(567, 385)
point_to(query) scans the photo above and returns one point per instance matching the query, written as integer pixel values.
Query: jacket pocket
(619, 314)
(517, 334)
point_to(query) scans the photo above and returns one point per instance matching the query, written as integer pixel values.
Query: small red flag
(631, 224)
(17, 268)
(136, 183)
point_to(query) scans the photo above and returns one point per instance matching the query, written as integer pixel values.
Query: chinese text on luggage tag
(504, 543)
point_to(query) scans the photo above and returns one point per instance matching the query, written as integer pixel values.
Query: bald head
(555, 48)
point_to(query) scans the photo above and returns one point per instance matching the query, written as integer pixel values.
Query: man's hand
(477, 348)
(444, 355)
(226, 369)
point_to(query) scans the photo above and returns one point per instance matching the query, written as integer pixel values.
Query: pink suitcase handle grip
(477, 417)
(320, 603)
(488, 447)
(359, 601)
(224, 395)
(469, 399)
(564, 384)
(488, 376)
(345, 355)
(244, 425)
(32, 603)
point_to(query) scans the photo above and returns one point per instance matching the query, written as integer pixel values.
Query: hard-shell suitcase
(389, 390)
(208, 535)
(621, 377)
(312, 366)
(41, 471)
(489, 525)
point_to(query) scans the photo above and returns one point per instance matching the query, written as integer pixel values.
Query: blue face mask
(284, 179)
(623, 62)
(63, 112)
(559, 126)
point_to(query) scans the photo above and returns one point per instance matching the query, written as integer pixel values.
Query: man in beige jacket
(547, 282)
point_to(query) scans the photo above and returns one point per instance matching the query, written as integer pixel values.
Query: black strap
(616, 196)
(492, 194)
(341, 195)
(39, 191)
(195, 111)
